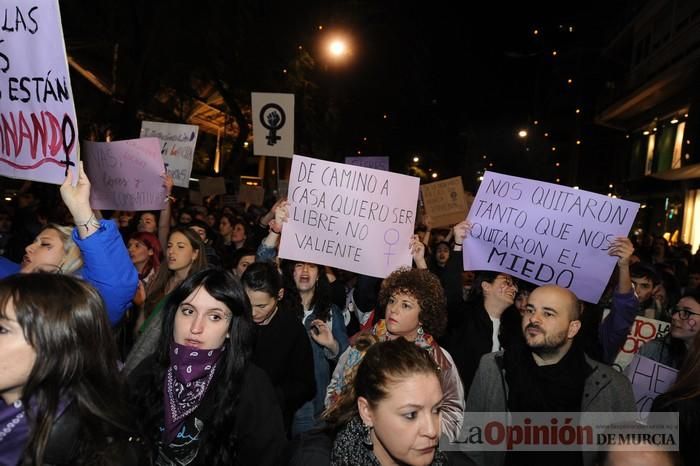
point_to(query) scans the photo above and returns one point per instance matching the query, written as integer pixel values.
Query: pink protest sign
(38, 129)
(354, 218)
(546, 233)
(649, 379)
(125, 175)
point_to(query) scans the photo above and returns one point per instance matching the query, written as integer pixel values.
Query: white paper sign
(177, 144)
(273, 124)
(546, 233)
(38, 128)
(355, 218)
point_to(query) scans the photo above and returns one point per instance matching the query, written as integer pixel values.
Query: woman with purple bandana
(200, 400)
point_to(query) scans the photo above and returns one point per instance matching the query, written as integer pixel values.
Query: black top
(257, 425)
(473, 338)
(283, 351)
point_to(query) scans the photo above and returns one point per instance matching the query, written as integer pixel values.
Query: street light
(416, 159)
(522, 133)
(338, 48)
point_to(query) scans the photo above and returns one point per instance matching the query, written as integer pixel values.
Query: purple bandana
(191, 370)
(13, 432)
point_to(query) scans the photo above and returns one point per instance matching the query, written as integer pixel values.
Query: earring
(420, 331)
(367, 434)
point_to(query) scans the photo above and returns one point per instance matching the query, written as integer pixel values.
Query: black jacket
(473, 338)
(257, 420)
(283, 351)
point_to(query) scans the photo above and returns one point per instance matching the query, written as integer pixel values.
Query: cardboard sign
(445, 202)
(38, 127)
(125, 175)
(354, 218)
(642, 331)
(177, 144)
(546, 233)
(254, 195)
(378, 163)
(273, 124)
(649, 379)
(211, 186)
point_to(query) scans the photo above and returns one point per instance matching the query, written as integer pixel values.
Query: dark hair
(234, 220)
(321, 301)
(384, 363)
(643, 270)
(151, 241)
(65, 321)
(476, 294)
(425, 287)
(262, 276)
(157, 286)
(201, 224)
(218, 442)
(239, 254)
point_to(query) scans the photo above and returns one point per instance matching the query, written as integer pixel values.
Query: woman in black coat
(200, 398)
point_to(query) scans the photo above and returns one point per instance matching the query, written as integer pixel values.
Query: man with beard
(546, 371)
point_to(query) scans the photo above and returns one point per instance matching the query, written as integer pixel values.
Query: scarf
(552, 388)
(351, 448)
(14, 431)
(379, 331)
(186, 381)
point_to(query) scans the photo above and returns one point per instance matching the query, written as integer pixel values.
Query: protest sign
(445, 202)
(649, 379)
(378, 163)
(273, 124)
(546, 233)
(125, 175)
(642, 331)
(177, 143)
(354, 218)
(38, 128)
(254, 195)
(211, 186)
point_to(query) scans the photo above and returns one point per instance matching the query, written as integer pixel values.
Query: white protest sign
(643, 330)
(444, 201)
(649, 379)
(546, 233)
(177, 147)
(125, 175)
(273, 124)
(38, 128)
(354, 218)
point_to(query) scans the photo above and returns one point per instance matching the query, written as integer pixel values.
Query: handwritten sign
(38, 129)
(378, 163)
(649, 379)
(125, 175)
(211, 186)
(642, 331)
(177, 144)
(273, 124)
(444, 201)
(546, 233)
(354, 218)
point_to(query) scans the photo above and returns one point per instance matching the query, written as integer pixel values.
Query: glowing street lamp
(338, 48)
(522, 133)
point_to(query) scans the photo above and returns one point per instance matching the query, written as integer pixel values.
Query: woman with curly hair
(415, 310)
(200, 399)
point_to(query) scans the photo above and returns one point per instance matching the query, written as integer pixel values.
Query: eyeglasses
(683, 313)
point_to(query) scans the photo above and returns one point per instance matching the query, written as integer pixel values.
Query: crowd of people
(180, 338)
